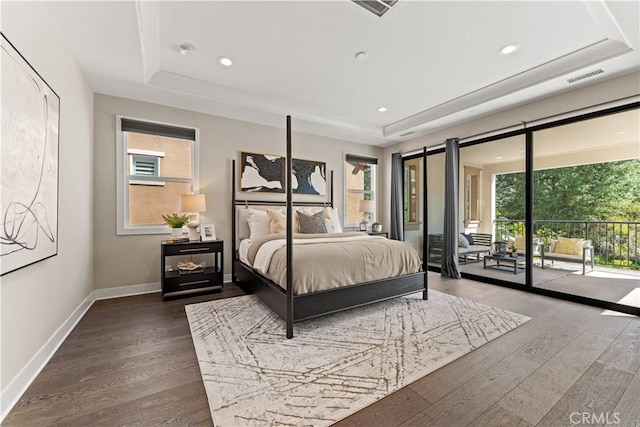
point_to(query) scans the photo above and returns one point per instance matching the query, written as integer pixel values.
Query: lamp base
(194, 234)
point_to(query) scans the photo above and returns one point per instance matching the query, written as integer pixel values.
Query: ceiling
(430, 63)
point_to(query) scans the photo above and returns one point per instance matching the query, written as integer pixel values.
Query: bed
(284, 283)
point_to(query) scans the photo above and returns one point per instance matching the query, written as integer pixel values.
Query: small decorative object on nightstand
(190, 277)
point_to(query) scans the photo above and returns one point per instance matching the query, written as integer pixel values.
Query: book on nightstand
(177, 239)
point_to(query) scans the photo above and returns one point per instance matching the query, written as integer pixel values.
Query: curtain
(450, 266)
(397, 219)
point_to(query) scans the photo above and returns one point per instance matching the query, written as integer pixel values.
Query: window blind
(129, 125)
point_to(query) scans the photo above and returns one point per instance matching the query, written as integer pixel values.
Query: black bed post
(425, 240)
(233, 220)
(332, 189)
(289, 319)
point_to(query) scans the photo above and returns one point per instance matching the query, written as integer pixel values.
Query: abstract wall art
(309, 177)
(29, 160)
(262, 173)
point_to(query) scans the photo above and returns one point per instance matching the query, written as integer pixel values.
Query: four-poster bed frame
(294, 308)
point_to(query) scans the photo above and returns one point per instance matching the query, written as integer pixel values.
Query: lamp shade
(365, 205)
(192, 203)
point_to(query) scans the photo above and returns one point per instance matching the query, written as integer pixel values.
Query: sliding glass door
(577, 194)
(492, 208)
(587, 208)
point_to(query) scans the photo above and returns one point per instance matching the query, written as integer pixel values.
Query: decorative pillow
(312, 224)
(332, 220)
(569, 246)
(469, 238)
(462, 241)
(520, 242)
(259, 224)
(278, 220)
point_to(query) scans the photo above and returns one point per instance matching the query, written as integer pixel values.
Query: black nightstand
(209, 279)
(380, 233)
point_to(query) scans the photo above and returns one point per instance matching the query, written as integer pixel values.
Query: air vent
(585, 76)
(377, 7)
(407, 133)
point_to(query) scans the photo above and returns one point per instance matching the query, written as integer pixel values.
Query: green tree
(598, 192)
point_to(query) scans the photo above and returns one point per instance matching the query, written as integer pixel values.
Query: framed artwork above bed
(309, 177)
(264, 173)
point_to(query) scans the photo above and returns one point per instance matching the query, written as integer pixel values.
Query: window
(360, 184)
(157, 163)
(412, 193)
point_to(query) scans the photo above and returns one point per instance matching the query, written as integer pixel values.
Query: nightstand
(210, 278)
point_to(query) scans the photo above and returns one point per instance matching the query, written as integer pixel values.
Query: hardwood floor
(131, 361)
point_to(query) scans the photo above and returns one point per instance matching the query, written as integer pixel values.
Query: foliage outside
(599, 202)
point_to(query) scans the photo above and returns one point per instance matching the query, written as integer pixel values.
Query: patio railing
(615, 243)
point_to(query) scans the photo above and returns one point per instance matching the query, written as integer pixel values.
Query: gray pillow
(462, 241)
(312, 224)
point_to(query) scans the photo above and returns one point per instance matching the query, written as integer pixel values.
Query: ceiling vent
(585, 75)
(377, 7)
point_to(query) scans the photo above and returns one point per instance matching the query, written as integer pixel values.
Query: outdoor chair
(569, 250)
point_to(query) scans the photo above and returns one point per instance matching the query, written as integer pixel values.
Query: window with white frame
(156, 163)
(360, 184)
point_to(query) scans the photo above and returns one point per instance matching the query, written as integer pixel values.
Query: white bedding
(266, 251)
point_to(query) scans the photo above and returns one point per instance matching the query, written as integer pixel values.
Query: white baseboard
(126, 291)
(16, 388)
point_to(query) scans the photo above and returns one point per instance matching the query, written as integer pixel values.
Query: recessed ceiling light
(499, 158)
(185, 50)
(621, 132)
(225, 61)
(361, 56)
(510, 48)
(382, 109)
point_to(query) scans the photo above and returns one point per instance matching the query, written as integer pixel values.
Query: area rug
(335, 365)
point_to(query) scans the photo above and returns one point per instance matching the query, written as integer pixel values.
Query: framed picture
(208, 232)
(363, 226)
(29, 169)
(309, 177)
(262, 173)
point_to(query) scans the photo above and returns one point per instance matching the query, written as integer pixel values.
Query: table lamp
(193, 204)
(366, 207)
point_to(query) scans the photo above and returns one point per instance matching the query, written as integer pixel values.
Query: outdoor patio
(607, 284)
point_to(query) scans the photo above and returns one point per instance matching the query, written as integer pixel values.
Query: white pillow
(332, 220)
(243, 226)
(259, 224)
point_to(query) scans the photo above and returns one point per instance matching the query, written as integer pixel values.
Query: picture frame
(261, 173)
(207, 232)
(363, 226)
(30, 163)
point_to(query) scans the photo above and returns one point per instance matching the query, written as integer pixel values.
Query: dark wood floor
(131, 361)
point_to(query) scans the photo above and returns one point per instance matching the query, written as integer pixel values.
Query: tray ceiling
(430, 63)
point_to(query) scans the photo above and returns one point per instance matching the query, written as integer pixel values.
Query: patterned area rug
(335, 365)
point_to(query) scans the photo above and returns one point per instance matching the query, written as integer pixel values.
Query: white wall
(38, 299)
(133, 260)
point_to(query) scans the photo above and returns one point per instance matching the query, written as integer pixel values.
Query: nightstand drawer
(192, 248)
(192, 281)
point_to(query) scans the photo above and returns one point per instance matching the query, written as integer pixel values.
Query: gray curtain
(397, 219)
(450, 266)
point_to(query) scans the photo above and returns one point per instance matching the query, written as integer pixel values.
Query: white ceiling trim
(148, 14)
(597, 52)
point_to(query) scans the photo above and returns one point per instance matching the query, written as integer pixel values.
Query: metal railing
(615, 243)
